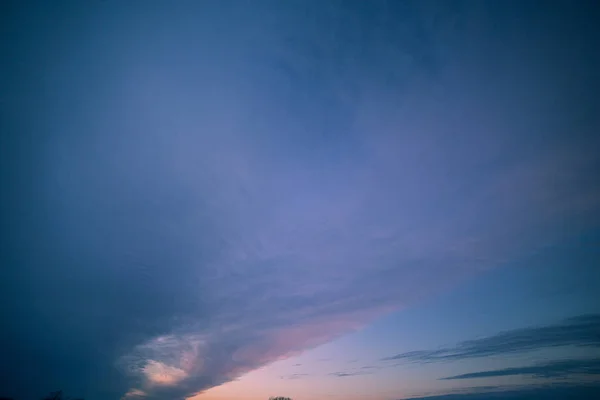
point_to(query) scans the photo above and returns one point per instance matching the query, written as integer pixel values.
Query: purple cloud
(213, 204)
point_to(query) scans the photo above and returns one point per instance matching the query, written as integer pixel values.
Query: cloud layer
(198, 192)
(554, 369)
(578, 331)
(539, 393)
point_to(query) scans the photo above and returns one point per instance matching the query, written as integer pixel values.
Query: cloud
(347, 374)
(134, 393)
(548, 392)
(294, 376)
(186, 206)
(577, 331)
(561, 368)
(355, 371)
(159, 373)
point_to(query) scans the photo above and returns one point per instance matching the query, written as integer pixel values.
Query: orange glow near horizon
(266, 382)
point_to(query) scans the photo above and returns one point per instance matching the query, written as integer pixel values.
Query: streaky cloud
(582, 330)
(348, 374)
(548, 392)
(554, 369)
(294, 376)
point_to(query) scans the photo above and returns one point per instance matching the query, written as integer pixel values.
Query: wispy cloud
(577, 331)
(545, 392)
(351, 373)
(561, 368)
(294, 376)
(134, 393)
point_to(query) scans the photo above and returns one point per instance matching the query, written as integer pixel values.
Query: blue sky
(540, 291)
(400, 196)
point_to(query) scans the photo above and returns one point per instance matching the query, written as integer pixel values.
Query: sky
(327, 199)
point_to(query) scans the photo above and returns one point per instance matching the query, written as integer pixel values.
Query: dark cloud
(352, 373)
(578, 331)
(552, 369)
(551, 392)
(192, 192)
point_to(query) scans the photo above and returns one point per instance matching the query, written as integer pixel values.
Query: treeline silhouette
(58, 395)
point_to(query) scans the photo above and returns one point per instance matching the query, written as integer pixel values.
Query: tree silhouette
(279, 398)
(54, 395)
(58, 395)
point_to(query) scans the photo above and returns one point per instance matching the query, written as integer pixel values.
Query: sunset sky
(353, 200)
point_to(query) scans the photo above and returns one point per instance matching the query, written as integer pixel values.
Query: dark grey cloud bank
(554, 369)
(577, 331)
(581, 331)
(193, 190)
(550, 392)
